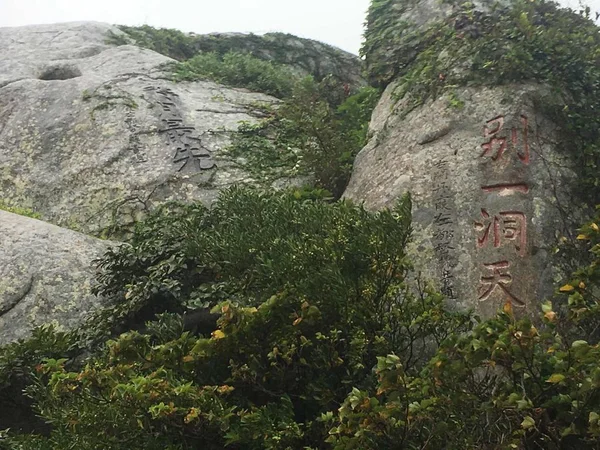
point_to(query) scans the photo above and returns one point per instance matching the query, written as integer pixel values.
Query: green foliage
(166, 41)
(317, 131)
(309, 294)
(18, 363)
(390, 43)
(15, 209)
(325, 339)
(522, 41)
(237, 70)
(509, 383)
(279, 48)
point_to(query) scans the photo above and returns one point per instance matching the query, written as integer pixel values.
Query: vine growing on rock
(522, 41)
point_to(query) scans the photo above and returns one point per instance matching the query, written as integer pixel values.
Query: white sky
(337, 22)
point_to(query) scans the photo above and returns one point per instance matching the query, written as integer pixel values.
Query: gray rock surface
(490, 188)
(46, 276)
(93, 135)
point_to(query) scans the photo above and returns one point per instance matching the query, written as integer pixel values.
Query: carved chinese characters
(498, 276)
(501, 233)
(444, 225)
(189, 154)
(501, 228)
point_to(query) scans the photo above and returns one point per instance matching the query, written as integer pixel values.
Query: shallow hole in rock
(60, 73)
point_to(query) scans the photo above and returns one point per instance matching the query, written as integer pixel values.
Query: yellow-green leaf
(528, 423)
(566, 288)
(555, 378)
(218, 334)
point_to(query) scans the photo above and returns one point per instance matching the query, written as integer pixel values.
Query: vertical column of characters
(188, 148)
(500, 228)
(443, 231)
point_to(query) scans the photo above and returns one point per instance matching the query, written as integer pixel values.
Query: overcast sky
(337, 22)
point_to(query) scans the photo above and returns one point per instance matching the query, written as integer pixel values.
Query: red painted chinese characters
(496, 230)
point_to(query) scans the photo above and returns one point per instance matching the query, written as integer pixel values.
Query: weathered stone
(303, 56)
(397, 29)
(92, 135)
(46, 276)
(490, 188)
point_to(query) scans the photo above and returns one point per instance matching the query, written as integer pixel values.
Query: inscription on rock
(497, 231)
(189, 154)
(443, 227)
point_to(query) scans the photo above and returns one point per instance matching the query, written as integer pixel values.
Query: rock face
(395, 31)
(489, 186)
(92, 135)
(46, 275)
(302, 56)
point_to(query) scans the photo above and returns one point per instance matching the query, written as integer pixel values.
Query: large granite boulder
(46, 276)
(93, 135)
(490, 186)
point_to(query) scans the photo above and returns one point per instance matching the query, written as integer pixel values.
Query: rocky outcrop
(481, 139)
(46, 276)
(303, 56)
(93, 135)
(490, 186)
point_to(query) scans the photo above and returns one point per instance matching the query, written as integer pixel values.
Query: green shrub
(510, 383)
(166, 41)
(311, 296)
(317, 131)
(308, 293)
(238, 70)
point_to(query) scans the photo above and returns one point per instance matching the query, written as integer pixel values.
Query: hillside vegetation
(283, 320)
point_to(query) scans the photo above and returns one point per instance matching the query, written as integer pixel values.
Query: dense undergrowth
(307, 298)
(321, 336)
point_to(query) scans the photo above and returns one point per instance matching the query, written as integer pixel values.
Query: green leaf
(555, 378)
(528, 423)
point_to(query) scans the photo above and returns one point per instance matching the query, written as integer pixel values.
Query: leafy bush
(309, 293)
(317, 131)
(311, 296)
(328, 134)
(238, 70)
(509, 383)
